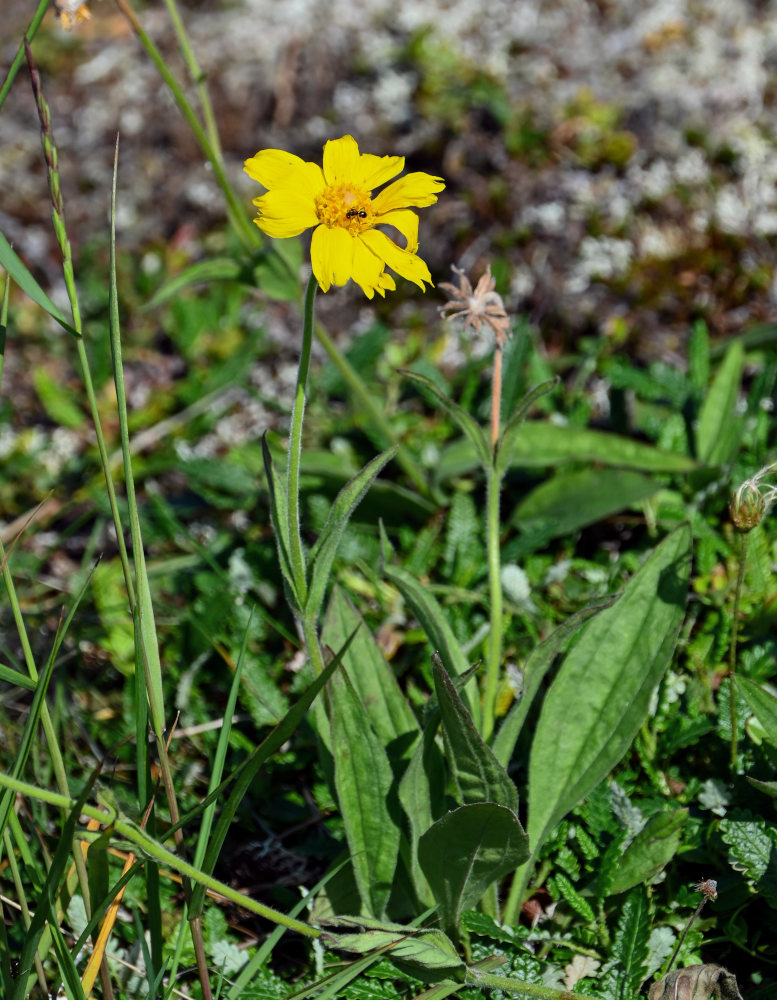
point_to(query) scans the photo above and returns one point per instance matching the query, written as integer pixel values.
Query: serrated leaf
(653, 847)
(363, 780)
(718, 430)
(477, 774)
(323, 552)
(578, 903)
(751, 849)
(601, 693)
(632, 937)
(465, 852)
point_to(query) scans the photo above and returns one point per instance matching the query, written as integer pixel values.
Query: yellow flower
(337, 199)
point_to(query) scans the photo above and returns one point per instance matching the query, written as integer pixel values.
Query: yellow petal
(406, 264)
(341, 158)
(372, 171)
(413, 190)
(271, 166)
(366, 269)
(406, 222)
(283, 213)
(331, 254)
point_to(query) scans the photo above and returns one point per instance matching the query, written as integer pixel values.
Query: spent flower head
(71, 12)
(752, 500)
(473, 308)
(338, 200)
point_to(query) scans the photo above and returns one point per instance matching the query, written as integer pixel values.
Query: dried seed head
(473, 308)
(752, 500)
(708, 888)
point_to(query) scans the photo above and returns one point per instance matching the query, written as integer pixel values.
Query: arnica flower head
(71, 12)
(751, 502)
(338, 200)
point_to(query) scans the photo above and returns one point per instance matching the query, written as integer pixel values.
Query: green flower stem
(517, 988)
(58, 218)
(293, 462)
(493, 555)
(197, 75)
(365, 400)
(245, 231)
(149, 848)
(732, 650)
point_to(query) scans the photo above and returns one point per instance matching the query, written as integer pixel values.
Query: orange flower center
(346, 207)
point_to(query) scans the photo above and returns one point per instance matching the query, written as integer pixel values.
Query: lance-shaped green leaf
(506, 443)
(653, 847)
(372, 677)
(422, 794)
(600, 696)
(632, 938)
(432, 620)
(363, 780)
(466, 851)
(323, 552)
(718, 430)
(537, 665)
(477, 774)
(279, 516)
(761, 703)
(468, 425)
(24, 279)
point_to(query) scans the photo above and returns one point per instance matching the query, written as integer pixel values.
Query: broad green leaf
(422, 795)
(465, 852)
(574, 498)
(541, 444)
(632, 937)
(601, 693)
(372, 677)
(477, 774)
(468, 425)
(24, 279)
(323, 552)
(718, 429)
(751, 849)
(762, 704)
(363, 780)
(434, 623)
(203, 272)
(537, 665)
(653, 847)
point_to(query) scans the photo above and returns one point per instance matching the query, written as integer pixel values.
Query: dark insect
(352, 213)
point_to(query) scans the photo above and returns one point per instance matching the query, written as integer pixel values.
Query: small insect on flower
(337, 199)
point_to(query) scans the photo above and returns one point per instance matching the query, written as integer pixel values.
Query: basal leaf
(465, 852)
(363, 780)
(372, 677)
(653, 847)
(718, 430)
(477, 774)
(600, 696)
